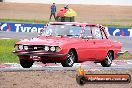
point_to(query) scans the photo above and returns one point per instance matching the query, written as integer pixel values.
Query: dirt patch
(102, 14)
(55, 79)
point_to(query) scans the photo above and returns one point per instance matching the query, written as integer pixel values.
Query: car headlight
(52, 48)
(20, 47)
(25, 47)
(16, 47)
(58, 49)
(46, 48)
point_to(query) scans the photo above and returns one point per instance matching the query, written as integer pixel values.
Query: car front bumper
(38, 54)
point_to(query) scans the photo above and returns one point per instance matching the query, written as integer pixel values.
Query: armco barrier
(21, 27)
(25, 27)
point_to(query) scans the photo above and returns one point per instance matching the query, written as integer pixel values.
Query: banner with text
(113, 31)
(21, 27)
(26, 27)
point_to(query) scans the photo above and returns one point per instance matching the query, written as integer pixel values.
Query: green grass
(125, 56)
(6, 48)
(122, 20)
(116, 19)
(44, 22)
(117, 25)
(24, 21)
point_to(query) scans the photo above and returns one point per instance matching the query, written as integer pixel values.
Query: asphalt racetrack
(89, 65)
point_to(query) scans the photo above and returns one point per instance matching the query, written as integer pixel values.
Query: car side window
(75, 31)
(96, 33)
(87, 33)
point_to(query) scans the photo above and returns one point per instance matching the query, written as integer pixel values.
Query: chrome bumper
(38, 54)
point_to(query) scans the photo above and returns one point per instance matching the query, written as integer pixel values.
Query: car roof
(73, 23)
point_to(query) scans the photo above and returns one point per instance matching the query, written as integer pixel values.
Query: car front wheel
(70, 59)
(108, 60)
(26, 63)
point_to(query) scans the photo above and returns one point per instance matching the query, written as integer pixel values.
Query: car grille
(35, 47)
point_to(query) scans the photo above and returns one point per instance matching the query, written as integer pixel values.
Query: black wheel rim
(70, 58)
(109, 58)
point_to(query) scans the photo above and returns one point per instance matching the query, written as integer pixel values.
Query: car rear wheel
(108, 60)
(70, 59)
(26, 63)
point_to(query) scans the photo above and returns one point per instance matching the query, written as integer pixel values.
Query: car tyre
(108, 60)
(70, 59)
(81, 80)
(26, 63)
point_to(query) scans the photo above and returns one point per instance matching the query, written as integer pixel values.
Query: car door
(100, 43)
(88, 44)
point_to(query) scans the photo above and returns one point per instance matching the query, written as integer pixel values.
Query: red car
(68, 43)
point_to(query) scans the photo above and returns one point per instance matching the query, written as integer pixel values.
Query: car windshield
(62, 30)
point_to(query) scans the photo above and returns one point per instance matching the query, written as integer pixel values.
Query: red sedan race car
(68, 43)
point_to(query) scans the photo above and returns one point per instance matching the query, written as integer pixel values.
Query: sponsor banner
(84, 76)
(120, 31)
(25, 27)
(21, 27)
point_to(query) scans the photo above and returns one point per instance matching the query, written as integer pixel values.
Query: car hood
(49, 40)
